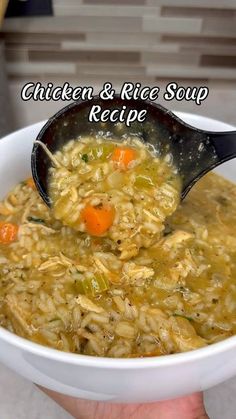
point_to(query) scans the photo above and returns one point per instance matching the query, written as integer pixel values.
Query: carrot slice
(8, 232)
(123, 156)
(30, 183)
(97, 219)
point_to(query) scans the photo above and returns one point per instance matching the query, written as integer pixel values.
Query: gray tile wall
(155, 37)
(150, 41)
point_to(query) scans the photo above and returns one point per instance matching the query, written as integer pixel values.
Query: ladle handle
(224, 144)
(218, 147)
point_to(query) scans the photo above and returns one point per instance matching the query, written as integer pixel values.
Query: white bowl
(118, 380)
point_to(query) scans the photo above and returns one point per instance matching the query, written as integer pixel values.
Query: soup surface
(64, 286)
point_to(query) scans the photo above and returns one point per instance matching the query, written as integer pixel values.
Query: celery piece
(143, 181)
(100, 151)
(87, 286)
(147, 174)
(78, 286)
(92, 286)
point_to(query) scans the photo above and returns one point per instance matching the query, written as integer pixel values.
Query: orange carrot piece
(97, 219)
(8, 232)
(30, 183)
(123, 156)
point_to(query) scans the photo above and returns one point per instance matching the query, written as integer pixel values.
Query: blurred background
(89, 42)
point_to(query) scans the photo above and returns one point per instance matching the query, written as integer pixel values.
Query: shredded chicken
(60, 260)
(66, 260)
(46, 229)
(87, 304)
(51, 263)
(184, 335)
(101, 266)
(17, 316)
(136, 273)
(128, 251)
(177, 237)
(151, 216)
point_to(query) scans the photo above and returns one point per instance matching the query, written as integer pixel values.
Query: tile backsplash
(151, 41)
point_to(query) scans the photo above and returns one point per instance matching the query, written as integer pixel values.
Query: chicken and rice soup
(120, 190)
(113, 268)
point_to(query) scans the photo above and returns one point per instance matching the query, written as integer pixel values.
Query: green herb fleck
(35, 220)
(85, 158)
(184, 317)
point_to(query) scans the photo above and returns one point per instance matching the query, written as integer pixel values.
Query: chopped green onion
(85, 158)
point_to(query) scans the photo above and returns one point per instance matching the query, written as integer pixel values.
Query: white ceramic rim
(121, 363)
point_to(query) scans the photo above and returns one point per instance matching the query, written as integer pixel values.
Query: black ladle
(194, 151)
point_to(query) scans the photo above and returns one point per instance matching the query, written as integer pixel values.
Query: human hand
(188, 407)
